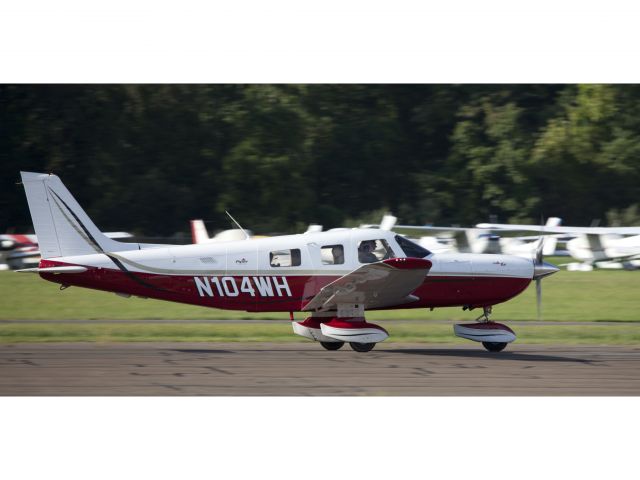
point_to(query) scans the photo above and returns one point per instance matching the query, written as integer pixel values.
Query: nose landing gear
(493, 336)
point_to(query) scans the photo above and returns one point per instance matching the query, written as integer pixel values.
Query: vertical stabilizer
(62, 226)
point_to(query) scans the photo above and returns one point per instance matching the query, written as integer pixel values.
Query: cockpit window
(411, 249)
(370, 251)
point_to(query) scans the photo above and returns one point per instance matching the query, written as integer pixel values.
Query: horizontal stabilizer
(65, 269)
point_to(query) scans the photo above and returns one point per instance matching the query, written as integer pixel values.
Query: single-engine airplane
(333, 276)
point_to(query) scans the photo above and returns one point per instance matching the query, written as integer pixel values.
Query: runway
(305, 369)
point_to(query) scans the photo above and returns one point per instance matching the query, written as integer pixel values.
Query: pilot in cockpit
(365, 251)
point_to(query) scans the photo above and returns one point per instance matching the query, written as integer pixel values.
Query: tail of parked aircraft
(551, 241)
(62, 226)
(198, 232)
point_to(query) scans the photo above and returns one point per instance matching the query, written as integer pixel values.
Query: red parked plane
(334, 276)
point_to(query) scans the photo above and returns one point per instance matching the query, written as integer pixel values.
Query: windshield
(411, 249)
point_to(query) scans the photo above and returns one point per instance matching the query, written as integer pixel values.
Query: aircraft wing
(389, 282)
(566, 230)
(416, 230)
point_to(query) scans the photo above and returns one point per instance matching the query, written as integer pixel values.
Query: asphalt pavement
(303, 369)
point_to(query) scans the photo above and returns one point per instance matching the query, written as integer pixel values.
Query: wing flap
(374, 285)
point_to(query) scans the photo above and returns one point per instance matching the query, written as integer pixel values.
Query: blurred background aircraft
(21, 250)
(601, 247)
(471, 240)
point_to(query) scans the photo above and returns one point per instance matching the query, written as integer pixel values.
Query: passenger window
(332, 255)
(370, 251)
(285, 258)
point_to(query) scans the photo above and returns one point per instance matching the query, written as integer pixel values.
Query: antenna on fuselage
(234, 221)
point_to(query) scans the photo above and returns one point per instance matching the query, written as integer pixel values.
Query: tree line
(147, 158)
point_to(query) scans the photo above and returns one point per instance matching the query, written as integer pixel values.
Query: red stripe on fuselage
(435, 291)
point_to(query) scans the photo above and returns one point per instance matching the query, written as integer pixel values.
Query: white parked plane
(333, 276)
(603, 247)
(474, 240)
(200, 235)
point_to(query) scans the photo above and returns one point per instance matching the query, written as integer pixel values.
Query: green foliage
(147, 158)
(625, 217)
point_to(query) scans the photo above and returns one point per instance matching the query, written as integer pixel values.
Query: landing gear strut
(486, 311)
(490, 346)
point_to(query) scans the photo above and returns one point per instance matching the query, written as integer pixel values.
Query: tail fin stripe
(86, 235)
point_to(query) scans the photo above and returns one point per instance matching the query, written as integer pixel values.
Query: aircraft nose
(543, 269)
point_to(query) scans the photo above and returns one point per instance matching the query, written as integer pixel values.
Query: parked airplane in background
(602, 247)
(17, 246)
(200, 235)
(21, 251)
(472, 240)
(333, 276)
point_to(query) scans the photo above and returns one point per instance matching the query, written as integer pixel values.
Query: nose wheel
(494, 346)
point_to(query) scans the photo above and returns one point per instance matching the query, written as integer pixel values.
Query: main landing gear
(334, 332)
(493, 336)
(332, 345)
(362, 347)
(358, 347)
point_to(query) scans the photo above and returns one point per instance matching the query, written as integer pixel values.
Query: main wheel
(332, 345)
(494, 346)
(362, 347)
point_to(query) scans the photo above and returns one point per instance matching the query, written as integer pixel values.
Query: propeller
(538, 261)
(541, 269)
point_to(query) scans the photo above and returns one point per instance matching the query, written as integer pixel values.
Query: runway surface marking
(306, 369)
